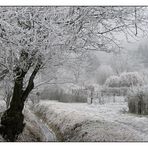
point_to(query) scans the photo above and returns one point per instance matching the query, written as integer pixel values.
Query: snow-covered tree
(113, 81)
(130, 79)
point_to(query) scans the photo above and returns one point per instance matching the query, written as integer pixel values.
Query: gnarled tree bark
(12, 121)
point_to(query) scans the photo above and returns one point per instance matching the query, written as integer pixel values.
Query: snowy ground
(36, 128)
(83, 122)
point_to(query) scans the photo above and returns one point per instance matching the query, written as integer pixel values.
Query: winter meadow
(73, 74)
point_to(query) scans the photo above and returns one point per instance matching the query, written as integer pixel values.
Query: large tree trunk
(12, 119)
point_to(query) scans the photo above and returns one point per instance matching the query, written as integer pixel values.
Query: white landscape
(83, 122)
(73, 74)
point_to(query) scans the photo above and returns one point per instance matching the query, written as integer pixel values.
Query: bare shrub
(138, 100)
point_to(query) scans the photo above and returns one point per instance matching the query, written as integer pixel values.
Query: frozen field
(83, 122)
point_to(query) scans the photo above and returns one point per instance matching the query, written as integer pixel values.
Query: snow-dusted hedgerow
(138, 100)
(125, 80)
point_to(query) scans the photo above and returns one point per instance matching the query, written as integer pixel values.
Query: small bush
(138, 100)
(125, 80)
